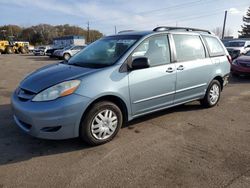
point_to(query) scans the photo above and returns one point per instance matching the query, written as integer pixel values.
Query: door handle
(169, 70)
(181, 67)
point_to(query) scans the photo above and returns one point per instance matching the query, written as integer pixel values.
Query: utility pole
(224, 24)
(88, 39)
(115, 29)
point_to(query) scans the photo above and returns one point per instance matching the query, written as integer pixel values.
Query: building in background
(69, 40)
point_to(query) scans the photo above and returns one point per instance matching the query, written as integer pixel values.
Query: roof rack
(166, 28)
(125, 31)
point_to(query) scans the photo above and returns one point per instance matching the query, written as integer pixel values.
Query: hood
(244, 58)
(53, 74)
(234, 48)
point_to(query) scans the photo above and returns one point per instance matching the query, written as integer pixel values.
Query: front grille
(25, 125)
(24, 94)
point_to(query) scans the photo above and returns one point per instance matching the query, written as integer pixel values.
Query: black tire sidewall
(85, 127)
(66, 55)
(208, 91)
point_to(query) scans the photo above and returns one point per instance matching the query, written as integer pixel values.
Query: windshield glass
(248, 53)
(236, 44)
(103, 52)
(67, 48)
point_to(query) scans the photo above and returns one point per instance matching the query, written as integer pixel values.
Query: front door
(154, 87)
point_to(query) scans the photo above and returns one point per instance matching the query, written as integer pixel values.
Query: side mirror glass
(140, 63)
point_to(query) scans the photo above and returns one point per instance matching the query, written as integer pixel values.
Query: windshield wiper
(89, 65)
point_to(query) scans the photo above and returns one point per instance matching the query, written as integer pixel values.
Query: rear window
(215, 48)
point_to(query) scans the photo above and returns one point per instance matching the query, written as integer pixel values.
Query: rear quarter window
(215, 48)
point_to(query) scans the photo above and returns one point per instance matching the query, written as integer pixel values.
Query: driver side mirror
(140, 63)
(248, 46)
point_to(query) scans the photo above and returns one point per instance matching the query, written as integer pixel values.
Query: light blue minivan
(119, 78)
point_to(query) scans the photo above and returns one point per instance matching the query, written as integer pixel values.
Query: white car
(68, 52)
(40, 50)
(237, 47)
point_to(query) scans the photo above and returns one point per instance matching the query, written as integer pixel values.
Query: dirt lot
(186, 146)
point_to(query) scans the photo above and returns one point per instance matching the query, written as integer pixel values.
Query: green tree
(43, 34)
(245, 28)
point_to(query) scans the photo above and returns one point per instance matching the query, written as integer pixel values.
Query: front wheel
(101, 123)
(66, 56)
(212, 95)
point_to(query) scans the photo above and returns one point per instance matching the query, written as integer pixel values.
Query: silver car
(68, 52)
(119, 78)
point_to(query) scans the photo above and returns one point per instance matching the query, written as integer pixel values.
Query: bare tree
(218, 32)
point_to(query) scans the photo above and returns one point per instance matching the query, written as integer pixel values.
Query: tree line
(43, 34)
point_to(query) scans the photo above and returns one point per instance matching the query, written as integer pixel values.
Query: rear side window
(188, 47)
(214, 46)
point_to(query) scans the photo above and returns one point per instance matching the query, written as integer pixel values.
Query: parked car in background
(237, 47)
(118, 78)
(40, 50)
(68, 52)
(50, 52)
(31, 48)
(241, 65)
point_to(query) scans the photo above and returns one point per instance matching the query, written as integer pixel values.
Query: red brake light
(229, 59)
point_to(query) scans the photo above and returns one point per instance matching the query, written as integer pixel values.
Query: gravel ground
(186, 146)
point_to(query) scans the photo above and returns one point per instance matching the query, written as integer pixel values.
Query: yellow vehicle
(21, 47)
(5, 47)
(14, 47)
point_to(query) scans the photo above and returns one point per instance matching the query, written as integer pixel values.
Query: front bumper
(57, 119)
(240, 70)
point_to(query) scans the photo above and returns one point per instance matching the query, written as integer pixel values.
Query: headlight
(59, 90)
(235, 62)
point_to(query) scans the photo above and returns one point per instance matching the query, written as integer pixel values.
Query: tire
(101, 123)
(23, 50)
(66, 56)
(9, 50)
(212, 96)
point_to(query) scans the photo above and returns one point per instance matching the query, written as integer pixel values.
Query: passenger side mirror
(248, 46)
(140, 63)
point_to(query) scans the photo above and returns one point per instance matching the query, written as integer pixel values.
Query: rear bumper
(57, 119)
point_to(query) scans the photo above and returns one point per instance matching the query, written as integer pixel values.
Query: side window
(156, 49)
(74, 48)
(214, 46)
(188, 47)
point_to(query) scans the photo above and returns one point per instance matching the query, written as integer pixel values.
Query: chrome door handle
(169, 70)
(181, 67)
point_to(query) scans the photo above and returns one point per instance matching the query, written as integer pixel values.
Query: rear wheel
(101, 123)
(212, 95)
(23, 50)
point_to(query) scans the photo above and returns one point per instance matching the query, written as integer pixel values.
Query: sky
(105, 15)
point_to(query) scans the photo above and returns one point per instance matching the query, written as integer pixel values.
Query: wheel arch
(219, 79)
(111, 98)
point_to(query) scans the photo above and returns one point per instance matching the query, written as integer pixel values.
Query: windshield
(103, 52)
(67, 48)
(236, 44)
(248, 53)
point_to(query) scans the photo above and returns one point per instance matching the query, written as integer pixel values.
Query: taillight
(229, 59)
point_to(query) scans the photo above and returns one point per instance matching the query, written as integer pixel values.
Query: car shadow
(192, 106)
(16, 146)
(241, 79)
